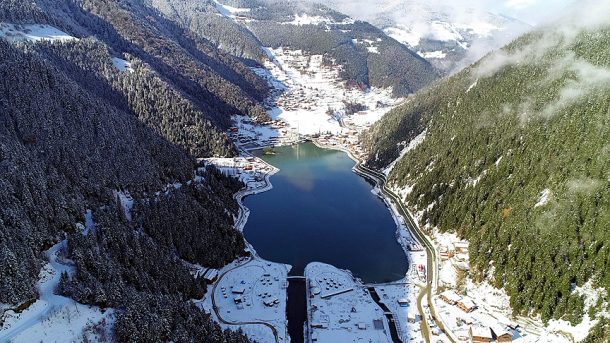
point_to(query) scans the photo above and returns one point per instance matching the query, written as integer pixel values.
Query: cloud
(586, 78)
(560, 33)
(519, 4)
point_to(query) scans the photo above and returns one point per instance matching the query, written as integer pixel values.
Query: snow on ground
(251, 291)
(474, 84)
(54, 318)
(306, 89)
(253, 177)
(543, 198)
(305, 19)
(412, 145)
(228, 11)
(493, 305)
(432, 54)
(404, 35)
(126, 201)
(33, 33)
(341, 309)
(394, 296)
(122, 65)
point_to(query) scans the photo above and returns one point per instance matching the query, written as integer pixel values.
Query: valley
(294, 171)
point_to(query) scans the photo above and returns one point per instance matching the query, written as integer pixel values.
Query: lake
(321, 211)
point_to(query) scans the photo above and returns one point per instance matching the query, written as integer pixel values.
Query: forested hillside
(123, 105)
(366, 55)
(65, 150)
(515, 159)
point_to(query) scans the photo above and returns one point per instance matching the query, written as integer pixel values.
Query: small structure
(411, 317)
(403, 302)
(467, 305)
(271, 302)
(501, 335)
(238, 290)
(480, 334)
(362, 326)
(450, 297)
(461, 247)
(210, 275)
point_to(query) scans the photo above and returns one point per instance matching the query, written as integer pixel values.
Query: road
(418, 234)
(239, 223)
(222, 320)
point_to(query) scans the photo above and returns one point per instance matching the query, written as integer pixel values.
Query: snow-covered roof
(239, 290)
(479, 331)
(461, 245)
(467, 303)
(450, 295)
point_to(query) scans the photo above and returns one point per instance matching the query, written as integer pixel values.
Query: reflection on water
(319, 210)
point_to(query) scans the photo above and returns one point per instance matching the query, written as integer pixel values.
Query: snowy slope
(34, 33)
(55, 318)
(444, 34)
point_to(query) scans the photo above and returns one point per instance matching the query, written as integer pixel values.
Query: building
(411, 317)
(403, 302)
(450, 297)
(210, 275)
(461, 247)
(467, 305)
(238, 290)
(480, 334)
(501, 335)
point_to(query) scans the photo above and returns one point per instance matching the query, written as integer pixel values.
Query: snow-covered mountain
(447, 34)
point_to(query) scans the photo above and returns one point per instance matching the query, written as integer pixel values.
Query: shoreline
(401, 220)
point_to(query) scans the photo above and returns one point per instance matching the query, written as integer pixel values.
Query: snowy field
(54, 318)
(122, 65)
(310, 96)
(253, 291)
(33, 33)
(341, 309)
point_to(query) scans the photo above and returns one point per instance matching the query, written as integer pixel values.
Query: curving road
(239, 223)
(417, 233)
(215, 307)
(432, 269)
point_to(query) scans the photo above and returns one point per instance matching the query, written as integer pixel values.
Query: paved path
(216, 310)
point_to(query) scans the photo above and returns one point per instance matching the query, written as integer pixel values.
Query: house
(403, 302)
(238, 290)
(467, 305)
(450, 297)
(501, 335)
(460, 247)
(411, 317)
(480, 334)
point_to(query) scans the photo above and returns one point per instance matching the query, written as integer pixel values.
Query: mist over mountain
(451, 35)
